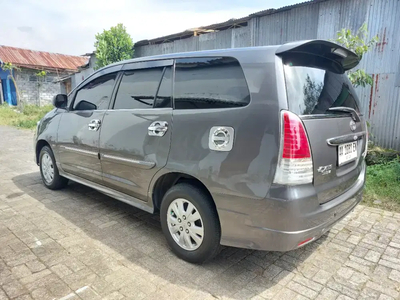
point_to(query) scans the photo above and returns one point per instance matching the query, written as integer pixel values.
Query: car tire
(201, 238)
(49, 171)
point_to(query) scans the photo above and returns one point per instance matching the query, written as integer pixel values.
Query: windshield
(313, 91)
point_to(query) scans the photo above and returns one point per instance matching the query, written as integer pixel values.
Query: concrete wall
(34, 90)
(322, 19)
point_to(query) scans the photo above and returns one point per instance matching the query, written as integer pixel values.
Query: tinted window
(163, 98)
(313, 90)
(96, 94)
(203, 83)
(138, 89)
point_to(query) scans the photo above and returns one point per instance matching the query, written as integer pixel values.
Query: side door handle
(94, 125)
(158, 128)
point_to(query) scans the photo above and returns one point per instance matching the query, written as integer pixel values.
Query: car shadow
(137, 237)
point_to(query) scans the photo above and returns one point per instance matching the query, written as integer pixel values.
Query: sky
(70, 26)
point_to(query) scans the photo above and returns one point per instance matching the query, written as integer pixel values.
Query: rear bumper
(294, 220)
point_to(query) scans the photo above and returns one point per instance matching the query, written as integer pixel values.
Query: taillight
(295, 164)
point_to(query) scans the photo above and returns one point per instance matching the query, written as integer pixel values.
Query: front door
(136, 133)
(80, 126)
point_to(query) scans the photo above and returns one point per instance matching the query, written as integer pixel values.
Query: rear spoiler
(346, 58)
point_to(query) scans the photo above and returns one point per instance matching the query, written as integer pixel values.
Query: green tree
(113, 45)
(360, 44)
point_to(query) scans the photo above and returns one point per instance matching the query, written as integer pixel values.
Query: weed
(28, 118)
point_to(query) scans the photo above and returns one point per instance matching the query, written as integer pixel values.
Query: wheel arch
(168, 180)
(39, 145)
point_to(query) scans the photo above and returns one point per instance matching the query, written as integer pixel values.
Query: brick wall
(34, 89)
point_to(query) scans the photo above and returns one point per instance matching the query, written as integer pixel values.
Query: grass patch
(28, 118)
(382, 188)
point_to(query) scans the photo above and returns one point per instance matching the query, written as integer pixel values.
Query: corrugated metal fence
(322, 20)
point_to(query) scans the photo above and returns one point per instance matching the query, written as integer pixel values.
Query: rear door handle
(158, 128)
(94, 125)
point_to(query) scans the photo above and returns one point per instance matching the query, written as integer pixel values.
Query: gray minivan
(259, 148)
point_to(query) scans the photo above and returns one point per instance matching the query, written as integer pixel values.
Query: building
(318, 19)
(35, 86)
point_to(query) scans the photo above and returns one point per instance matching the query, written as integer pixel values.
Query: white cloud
(70, 26)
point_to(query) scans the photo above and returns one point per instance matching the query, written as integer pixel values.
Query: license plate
(347, 152)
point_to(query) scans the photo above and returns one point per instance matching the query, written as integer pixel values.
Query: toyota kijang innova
(259, 148)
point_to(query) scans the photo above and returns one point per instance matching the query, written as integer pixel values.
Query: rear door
(325, 100)
(136, 133)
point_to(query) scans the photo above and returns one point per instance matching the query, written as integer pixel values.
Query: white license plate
(347, 152)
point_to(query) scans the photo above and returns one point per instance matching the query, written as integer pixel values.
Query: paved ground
(79, 244)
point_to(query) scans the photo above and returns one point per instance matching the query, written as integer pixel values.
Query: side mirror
(60, 101)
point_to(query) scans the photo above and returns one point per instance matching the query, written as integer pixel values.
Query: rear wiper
(354, 114)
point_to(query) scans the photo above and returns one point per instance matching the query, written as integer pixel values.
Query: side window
(138, 89)
(164, 94)
(213, 82)
(96, 94)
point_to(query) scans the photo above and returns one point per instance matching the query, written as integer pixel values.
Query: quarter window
(205, 83)
(96, 94)
(138, 89)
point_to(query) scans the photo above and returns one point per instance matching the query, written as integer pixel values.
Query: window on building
(96, 94)
(138, 89)
(205, 83)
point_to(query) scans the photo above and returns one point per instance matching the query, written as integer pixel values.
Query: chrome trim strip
(345, 138)
(143, 205)
(144, 164)
(79, 150)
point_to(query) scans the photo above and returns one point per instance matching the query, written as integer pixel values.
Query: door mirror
(60, 101)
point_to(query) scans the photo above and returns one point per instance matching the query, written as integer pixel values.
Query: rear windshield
(311, 90)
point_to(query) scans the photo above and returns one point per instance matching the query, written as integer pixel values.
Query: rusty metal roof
(232, 23)
(189, 32)
(41, 60)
